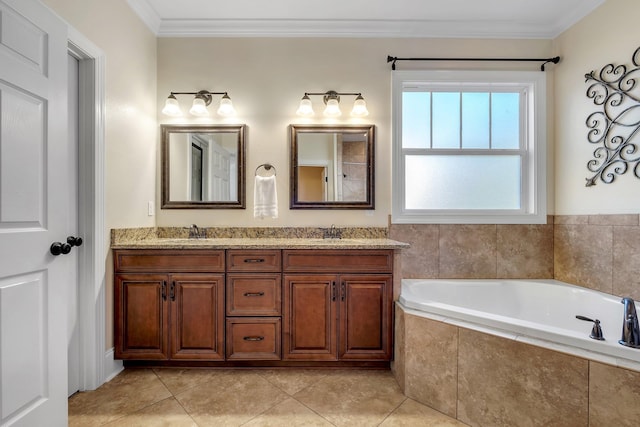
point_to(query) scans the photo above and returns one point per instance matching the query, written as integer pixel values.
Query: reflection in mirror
(203, 167)
(332, 167)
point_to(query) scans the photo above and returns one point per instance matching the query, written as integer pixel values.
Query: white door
(34, 198)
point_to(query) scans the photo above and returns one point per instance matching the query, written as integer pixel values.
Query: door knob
(58, 248)
(74, 241)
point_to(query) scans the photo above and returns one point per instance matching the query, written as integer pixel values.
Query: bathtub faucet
(630, 329)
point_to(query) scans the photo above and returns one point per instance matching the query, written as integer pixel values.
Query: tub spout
(630, 329)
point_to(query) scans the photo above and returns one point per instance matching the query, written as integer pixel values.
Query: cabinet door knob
(253, 338)
(333, 291)
(343, 291)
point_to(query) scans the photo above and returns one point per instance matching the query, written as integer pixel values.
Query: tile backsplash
(600, 252)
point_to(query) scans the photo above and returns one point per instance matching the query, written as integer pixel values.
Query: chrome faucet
(630, 329)
(332, 233)
(195, 232)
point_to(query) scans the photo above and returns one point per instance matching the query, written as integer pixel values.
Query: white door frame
(97, 364)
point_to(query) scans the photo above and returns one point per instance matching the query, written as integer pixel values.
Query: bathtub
(538, 312)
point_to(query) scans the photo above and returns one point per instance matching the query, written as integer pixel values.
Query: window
(469, 147)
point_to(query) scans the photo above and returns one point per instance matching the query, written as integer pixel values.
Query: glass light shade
(171, 107)
(305, 109)
(359, 107)
(333, 108)
(226, 107)
(199, 107)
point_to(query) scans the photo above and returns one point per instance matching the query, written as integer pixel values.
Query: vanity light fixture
(200, 102)
(332, 101)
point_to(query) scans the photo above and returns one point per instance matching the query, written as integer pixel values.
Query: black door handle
(74, 241)
(58, 248)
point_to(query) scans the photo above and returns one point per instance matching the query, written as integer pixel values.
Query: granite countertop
(248, 238)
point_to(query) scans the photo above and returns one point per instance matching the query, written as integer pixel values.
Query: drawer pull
(253, 338)
(254, 260)
(254, 294)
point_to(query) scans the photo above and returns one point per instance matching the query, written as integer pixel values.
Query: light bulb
(226, 107)
(199, 107)
(305, 109)
(333, 108)
(359, 107)
(171, 107)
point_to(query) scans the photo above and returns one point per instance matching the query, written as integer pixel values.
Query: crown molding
(350, 28)
(362, 28)
(147, 14)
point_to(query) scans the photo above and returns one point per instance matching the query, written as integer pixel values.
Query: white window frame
(534, 175)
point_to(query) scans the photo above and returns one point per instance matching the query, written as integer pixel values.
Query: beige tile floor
(252, 398)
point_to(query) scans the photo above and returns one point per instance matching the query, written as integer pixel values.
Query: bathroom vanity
(254, 302)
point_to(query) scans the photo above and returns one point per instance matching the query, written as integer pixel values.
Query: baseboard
(112, 367)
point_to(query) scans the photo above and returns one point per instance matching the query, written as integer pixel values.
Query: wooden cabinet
(164, 313)
(331, 317)
(254, 305)
(293, 307)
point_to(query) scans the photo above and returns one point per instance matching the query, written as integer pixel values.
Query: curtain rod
(544, 61)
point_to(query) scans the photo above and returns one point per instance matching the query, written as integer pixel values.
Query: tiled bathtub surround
(600, 252)
(482, 379)
(476, 251)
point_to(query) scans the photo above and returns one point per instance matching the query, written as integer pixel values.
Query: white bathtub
(538, 312)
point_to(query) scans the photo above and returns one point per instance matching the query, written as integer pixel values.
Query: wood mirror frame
(363, 168)
(236, 172)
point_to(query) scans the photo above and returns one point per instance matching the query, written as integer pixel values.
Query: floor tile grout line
(393, 410)
(185, 410)
(292, 396)
(313, 410)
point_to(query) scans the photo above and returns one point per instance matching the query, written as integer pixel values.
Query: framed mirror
(203, 166)
(332, 166)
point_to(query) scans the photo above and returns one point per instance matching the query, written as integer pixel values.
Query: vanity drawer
(338, 261)
(253, 338)
(254, 294)
(259, 260)
(169, 260)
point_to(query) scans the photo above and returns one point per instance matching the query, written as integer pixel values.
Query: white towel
(265, 197)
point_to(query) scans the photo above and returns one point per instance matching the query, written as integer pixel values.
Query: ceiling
(544, 19)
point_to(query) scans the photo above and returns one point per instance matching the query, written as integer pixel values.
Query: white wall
(131, 117)
(609, 35)
(266, 77)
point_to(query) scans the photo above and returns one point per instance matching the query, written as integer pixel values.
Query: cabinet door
(142, 317)
(197, 316)
(365, 317)
(310, 317)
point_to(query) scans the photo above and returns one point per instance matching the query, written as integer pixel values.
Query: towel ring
(267, 167)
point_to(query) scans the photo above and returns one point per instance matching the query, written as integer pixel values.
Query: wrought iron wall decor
(616, 127)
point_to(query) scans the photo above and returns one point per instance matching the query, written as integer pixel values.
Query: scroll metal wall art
(615, 129)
